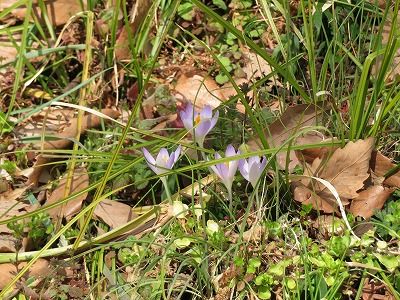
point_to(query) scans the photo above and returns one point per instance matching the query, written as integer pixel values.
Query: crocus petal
(214, 120)
(216, 171)
(230, 151)
(187, 116)
(254, 160)
(150, 161)
(177, 153)
(162, 158)
(206, 112)
(254, 174)
(202, 129)
(171, 161)
(244, 169)
(233, 165)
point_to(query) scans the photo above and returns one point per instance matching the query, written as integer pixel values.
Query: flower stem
(230, 201)
(164, 181)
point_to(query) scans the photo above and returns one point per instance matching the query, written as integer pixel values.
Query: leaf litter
(65, 140)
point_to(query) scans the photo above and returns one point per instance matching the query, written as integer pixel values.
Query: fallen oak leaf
(292, 120)
(114, 213)
(65, 141)
(199, 90)
(369, 201)
(79, 181)
(380, 165)
(346, 170)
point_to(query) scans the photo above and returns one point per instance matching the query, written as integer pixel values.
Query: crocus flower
(226, 171)
(163, 162)
(200, 123)
(252, 168)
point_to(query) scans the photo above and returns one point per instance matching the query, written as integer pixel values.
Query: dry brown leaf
(8, 51)
(114, 213)
(58, 11)
(200, 91)
(50, 121)
(80, 181)
(40, 268)
(380, 165)
(306, 196)
(346, 170)
(307, 156)
(65, 140)
(8, 243)
(290, 122)
(8, 209)
(12, 195)
(255, 65)
(369, 201)
(139, 13)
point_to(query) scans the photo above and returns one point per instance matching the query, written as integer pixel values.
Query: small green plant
(39, 228)
(388, 220)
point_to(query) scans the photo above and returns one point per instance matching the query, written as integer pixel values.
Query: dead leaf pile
(353, 172)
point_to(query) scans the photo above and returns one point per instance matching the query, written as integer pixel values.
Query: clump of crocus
(162, 163)
(226, 171)
(199, 123)
(252, 168)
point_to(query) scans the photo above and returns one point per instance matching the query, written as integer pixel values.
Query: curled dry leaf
(346, 170)
(40, 268)
(79, 182)
(65, 140)
(380, 164)
(369, 201)
(292, 120)
(199, 90)
(114, 213)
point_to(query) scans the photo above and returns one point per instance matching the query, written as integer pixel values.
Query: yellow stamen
(197, 119)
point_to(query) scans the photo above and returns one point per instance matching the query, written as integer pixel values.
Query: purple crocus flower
(199, 124)
(252, 168)
(163, 162)
(226, 171)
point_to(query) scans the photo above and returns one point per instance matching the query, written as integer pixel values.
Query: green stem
(164, 181)
(230, 201)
